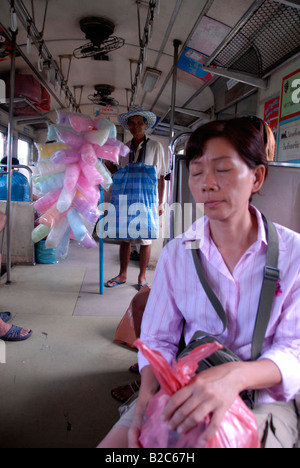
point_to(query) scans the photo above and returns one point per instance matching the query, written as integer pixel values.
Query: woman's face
(222, 180)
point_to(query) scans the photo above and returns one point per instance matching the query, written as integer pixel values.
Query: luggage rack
(267, 36)
(26, 119)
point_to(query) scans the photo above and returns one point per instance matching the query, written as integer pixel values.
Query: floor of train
(55, 387)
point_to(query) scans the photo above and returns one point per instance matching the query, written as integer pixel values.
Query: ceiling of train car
(199, 25)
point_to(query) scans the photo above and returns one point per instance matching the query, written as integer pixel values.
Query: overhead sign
(191, 61)
(289, 119)
(107, 111)
(290, 96)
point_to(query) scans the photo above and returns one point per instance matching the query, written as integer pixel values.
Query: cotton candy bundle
(70, 172)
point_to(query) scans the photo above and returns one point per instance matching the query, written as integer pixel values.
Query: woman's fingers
(193, 404)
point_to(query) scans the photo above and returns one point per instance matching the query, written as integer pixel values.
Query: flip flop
(118, 283)
(5, 316)
(140, 285)
(134, 368)
(14, 334)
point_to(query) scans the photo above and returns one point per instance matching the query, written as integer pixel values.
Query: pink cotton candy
(70, 138)
(91, 194)
(91, 174)
(67, 156)
(44, 203)
(88, 154)
(124, 149)
(110, 153)
(81, 123)
(71, 176)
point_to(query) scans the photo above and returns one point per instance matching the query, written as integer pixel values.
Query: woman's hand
(210, 393)
(148, 388)
(135, 429)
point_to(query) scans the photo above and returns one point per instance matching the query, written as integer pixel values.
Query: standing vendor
(142, 148)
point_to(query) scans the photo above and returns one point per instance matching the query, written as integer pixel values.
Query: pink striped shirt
(177, 296)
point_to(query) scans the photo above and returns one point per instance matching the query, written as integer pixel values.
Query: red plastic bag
(238, 428)
(28, 87)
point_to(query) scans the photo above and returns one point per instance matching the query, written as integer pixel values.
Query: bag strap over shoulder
(209, 292)
(271, 276)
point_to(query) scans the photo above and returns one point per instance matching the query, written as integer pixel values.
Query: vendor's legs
(145, 253)
(125, 249)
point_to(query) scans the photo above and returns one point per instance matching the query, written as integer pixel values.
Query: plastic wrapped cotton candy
(104, 124)
(70, 175)
(47, 150)
(66, 156)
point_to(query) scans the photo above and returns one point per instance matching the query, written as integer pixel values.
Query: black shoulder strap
(209, 292)
(271, 276)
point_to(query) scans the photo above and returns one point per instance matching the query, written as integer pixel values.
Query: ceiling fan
(102, 97)
(99, 32)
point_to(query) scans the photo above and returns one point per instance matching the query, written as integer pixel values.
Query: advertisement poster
(191, 61)
(288, 148)
(271, 114)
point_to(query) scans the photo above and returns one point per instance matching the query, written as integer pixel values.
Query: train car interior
(188, 62)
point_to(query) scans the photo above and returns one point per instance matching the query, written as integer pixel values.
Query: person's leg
(118, 435)
(277, 424)
(116, 438)
(125, 249)
(145, 253)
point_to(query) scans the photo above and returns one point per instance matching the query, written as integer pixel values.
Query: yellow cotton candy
(47, 150)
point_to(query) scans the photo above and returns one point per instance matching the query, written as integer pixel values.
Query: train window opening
(24, 152)
(2, 145)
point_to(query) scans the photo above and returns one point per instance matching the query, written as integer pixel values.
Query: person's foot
(125, 392)
(13, 333)
(117, 281)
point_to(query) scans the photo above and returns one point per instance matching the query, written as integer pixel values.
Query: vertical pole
(9, 153)
(101, 250)
(176, 44)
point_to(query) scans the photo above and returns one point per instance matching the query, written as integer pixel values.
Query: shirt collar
(200, 232)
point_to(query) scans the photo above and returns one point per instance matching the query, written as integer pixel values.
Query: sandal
(117, 283)
(134, 368)
(14, 334)
(125, 392)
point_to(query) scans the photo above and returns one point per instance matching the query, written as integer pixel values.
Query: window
(24, 152)
(2, 145)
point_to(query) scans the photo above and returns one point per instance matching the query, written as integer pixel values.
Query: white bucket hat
(137, 110)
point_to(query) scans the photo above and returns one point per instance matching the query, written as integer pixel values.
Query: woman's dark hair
(240, 132)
